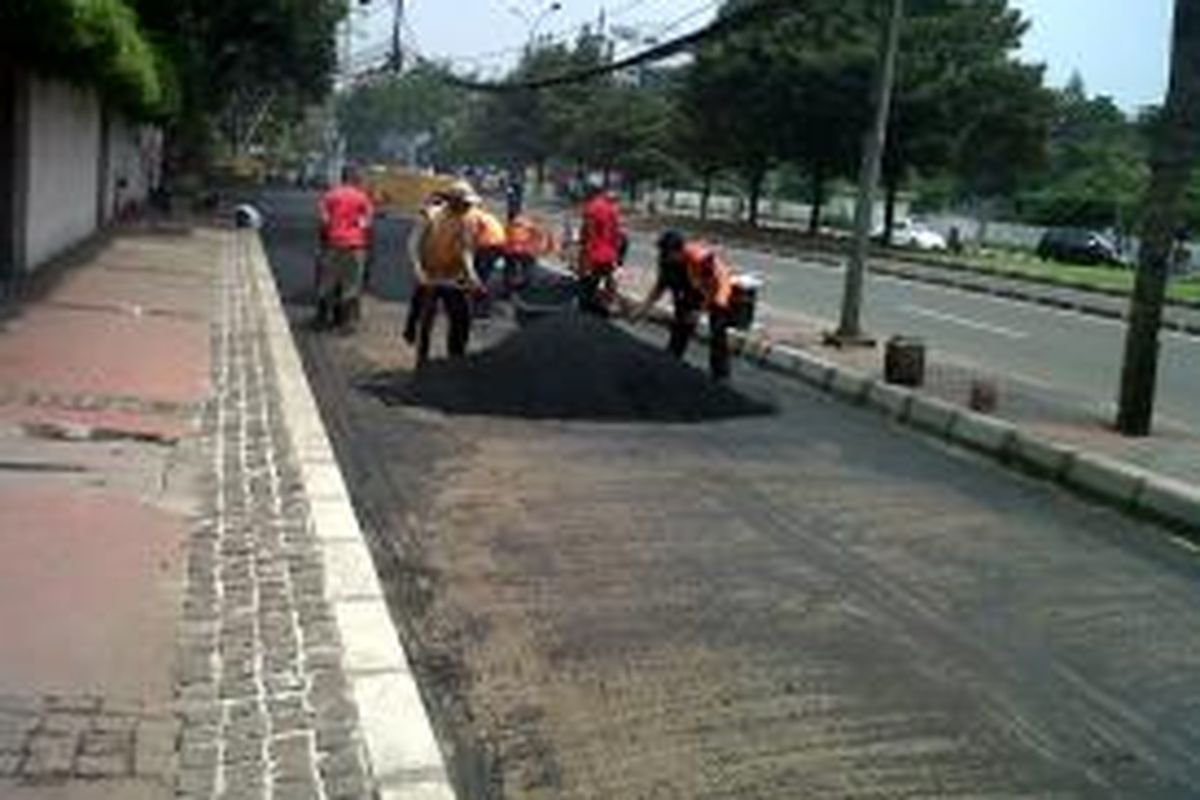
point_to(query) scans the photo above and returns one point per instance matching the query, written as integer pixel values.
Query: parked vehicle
(1077, 246)
(917, 235)
(914, 235)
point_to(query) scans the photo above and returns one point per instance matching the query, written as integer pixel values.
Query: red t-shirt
(601, 233)
(346, 213)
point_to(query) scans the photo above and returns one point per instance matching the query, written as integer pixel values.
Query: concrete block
(396, 729)
(894, 401)
(815, 371)
(934, 416)
(850, 385)
(333, 520)
(349, 572)
(983, 433)
(1041, 455)
(418, 790)
(368, 638)
(784, 359)
(1172, 500)
(1105, 477)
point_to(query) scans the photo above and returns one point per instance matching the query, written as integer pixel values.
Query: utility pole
(850, 331)
(1174, 155)
(397, 46)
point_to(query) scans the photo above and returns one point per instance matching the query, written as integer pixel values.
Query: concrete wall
(63, 146)
(68, 168)
(133, 159)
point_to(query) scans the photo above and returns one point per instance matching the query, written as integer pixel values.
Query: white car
(917, 236)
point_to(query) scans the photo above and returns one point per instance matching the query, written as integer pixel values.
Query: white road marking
(954, 319)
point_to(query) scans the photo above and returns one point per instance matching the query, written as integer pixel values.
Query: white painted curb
(402, 754)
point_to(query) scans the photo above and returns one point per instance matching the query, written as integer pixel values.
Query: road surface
(802, 604)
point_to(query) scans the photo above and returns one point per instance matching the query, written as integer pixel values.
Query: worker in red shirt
(346, 214)
(600, 246)
(699, 282)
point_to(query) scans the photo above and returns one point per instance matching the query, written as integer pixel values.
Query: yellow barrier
(403, 190)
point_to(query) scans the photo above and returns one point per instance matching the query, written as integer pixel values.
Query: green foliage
(1097, 172)
(420, 105)
(95, 42)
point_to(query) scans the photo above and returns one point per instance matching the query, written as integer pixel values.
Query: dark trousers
(414, 312)
(595, 292)
(458, 309)
(683, 328)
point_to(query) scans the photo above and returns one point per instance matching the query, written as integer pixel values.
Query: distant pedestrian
(346, 216)
(699, 282)
(600, 246)
(443, 260)
(514, 196)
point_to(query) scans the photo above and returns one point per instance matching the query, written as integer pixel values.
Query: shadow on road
(571, 367)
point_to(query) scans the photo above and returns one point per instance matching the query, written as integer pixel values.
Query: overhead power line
(722, 26)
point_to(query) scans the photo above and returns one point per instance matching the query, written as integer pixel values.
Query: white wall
(134, 154)
(64, 168)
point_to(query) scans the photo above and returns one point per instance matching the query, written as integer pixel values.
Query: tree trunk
(891, 190)
(705, 196)
(816, 202)
(1171, 166)
(756, 186)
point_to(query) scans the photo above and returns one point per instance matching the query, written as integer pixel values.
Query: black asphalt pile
(570, 366)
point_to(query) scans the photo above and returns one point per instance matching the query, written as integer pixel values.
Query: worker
(444, 262)
(346, 215)
(699, 282)
(489, 234)
(434, 201)
(600, 247)
(524, 242)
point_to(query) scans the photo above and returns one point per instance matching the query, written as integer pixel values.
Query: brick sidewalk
(162, 599)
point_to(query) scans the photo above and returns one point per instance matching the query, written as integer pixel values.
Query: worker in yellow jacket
(443, 255)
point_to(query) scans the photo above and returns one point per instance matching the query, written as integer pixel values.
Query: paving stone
(49, 756)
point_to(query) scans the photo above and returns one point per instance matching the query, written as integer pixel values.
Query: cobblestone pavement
(53, 738)
(263, 699)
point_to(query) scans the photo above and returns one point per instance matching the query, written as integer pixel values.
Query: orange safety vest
(523, 237)
(709, 275)
(489, 231)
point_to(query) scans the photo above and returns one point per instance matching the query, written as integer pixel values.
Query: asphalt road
(1078, 354)
(802, 604)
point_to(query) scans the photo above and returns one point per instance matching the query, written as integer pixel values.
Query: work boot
(321, 319)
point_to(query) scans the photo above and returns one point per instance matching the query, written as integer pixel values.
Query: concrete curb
(1098, 476)
(402, 754)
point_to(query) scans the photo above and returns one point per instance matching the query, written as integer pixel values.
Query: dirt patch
(569, 366)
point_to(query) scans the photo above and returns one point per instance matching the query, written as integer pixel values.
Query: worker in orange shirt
(699, 282)
(490, 237)
(346, 216)
(524, 242)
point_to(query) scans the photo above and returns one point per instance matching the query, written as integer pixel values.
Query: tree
(1175, 148)
(418, 115)
(1097, 166)
(240, 61)
(955, 57)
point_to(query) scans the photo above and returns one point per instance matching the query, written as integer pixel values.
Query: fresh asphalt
(1073, 352)
(805, 604)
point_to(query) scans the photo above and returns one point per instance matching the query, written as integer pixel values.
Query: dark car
(1077, 246)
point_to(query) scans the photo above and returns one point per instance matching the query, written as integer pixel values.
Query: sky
(1120, 47)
